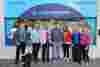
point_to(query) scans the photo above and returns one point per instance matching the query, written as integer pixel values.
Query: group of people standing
(75, 42)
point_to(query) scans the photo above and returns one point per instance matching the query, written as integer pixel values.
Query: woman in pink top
(43, 40)
(85, 41)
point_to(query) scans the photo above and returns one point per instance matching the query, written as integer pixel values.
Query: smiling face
(22, 25)
(75, 28)
(66, 28)
(86, 29)
(52, 23)
(58, 26)
(37, 25)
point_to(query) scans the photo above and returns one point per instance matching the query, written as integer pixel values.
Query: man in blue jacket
(20, 41)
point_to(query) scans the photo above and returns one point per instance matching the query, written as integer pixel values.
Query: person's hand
(50, 41)
(86, 48)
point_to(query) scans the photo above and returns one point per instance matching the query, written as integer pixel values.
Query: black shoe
(87, 62)
(43, 62)
(23, 65)
(79, 63)
(23, 58)
(16, 62)
(28, 64)
(35, 61)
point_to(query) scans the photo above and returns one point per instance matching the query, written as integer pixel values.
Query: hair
(17, 23)
(66, 29)
(26, 27)
(82, 29)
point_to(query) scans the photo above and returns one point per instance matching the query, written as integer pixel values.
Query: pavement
(10, 63)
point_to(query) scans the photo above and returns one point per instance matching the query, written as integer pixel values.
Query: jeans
(18, 48)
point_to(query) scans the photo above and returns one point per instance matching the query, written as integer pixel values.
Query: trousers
(44, 52)
(57, 50)
(19, 48)
(35, 50)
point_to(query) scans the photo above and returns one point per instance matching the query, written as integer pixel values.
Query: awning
(51, 11)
